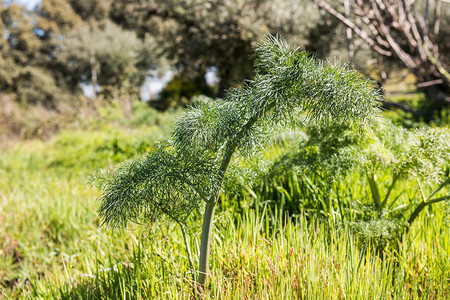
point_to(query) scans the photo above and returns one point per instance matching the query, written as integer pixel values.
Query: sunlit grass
(51, 245)
(297, 260)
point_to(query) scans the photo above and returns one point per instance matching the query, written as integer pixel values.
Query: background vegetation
(335, 229)
(286, 235)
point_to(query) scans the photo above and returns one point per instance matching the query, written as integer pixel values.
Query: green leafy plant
(187, 171)
(387, 156)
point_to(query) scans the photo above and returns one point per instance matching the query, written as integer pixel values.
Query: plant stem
(440, 187)
(208, 221)
(422, 205)
(210, 204)
(375, 193)
(391, 187)
(205, 243)
(428, 201)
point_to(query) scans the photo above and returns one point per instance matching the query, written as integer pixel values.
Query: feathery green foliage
(287, 83)
(163, 182)
(420, 153)
(387, 156)
(51, 246)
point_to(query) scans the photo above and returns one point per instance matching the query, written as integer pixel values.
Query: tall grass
(48, 211)
(51, 245)
(297, 260)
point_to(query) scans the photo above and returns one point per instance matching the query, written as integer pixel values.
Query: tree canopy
(45, 54)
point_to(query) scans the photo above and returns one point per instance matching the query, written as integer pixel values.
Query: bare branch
(402, 15)
(405, 26)
(429, 83)
(385, 5)
(349, 33)
(415, 31)
(427, 42)
(438, 65)
(398, 28)
(406, 58)
(426, 17)
(436, 25)
(362, 15)
(362, 34)
(437, 17)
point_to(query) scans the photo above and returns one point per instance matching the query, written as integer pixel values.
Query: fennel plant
(187, 171)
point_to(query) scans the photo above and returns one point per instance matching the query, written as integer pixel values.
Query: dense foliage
(303, 193)
(51, 247)
(61, 43)
(386, 157)
(174, 180)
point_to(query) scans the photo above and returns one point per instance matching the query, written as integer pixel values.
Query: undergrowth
(296, 260)
(284, 239)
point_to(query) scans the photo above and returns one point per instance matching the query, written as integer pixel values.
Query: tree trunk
(93, 73)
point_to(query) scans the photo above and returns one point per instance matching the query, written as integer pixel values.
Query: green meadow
(282, 237)
(210, 149)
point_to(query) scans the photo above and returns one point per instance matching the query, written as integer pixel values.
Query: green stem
(208, 222)
(210, 204)
(204, 246)
(375, 193)
(391, 187)
(440, 187)
(422, 205)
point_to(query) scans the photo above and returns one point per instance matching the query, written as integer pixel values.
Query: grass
(51, 245)
(298, 260)
(47, 207)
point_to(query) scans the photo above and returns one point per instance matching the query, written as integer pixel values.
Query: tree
(27, 56)
(188, 170)
(97, 10)
(398, 29)
(45, 54)
(203, 33)
(107, 55)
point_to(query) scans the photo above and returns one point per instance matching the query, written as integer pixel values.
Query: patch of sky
(156, 82)
(29, 4)
(211, 76)
(88, 89)
(39, 32)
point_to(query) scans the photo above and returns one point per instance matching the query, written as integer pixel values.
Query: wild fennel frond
(173, 181)
(162, 182)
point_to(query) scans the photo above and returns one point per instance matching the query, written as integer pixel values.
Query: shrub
(187, 171)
